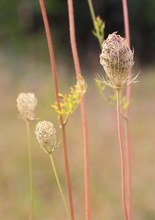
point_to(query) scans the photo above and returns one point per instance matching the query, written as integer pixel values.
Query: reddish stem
(127, 36)
(126, 20)
(73, 39)
(56, 89)
(121, 154)
(128, 97)
(129, 173)
(83, 108)
(86, 160)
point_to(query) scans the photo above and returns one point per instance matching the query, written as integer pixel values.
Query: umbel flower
(117, 60)
(46, 136)
(26, 104)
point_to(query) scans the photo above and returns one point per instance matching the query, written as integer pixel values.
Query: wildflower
(46, 136)
(26, 104)
(117, 60)
(69, 102)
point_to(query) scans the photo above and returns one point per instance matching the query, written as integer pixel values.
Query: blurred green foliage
(20, 18)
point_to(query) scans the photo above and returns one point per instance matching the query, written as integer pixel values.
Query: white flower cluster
(26, 104)
(46, 136)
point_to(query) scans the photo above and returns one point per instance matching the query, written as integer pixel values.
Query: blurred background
(25, 67)
(21, 22)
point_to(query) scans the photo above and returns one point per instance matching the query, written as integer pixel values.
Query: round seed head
(26, 104)
(46, 136)
(116, 59)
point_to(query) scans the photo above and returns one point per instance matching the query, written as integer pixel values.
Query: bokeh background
(25, 67)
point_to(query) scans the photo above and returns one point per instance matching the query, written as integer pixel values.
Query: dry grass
(104, 149)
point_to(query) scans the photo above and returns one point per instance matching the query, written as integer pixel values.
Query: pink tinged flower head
(116, 59)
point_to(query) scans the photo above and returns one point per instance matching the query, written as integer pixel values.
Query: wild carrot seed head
(46, 136)
(116, 59)
(26, 104)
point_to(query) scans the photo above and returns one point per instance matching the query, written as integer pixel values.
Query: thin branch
(126, 20)
(83, 108)
(121, 154)
(127, 133)
(59, 185)
(73, 39)
(91, 10)
(54, 71)
(30, 169)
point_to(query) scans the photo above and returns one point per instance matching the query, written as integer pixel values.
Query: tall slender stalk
(54, 71)
(126, 20)
(121, 154)
(127, 134)
(83, 108)
(129, 165)
(91, 10)
(30, 170)
(59, 185)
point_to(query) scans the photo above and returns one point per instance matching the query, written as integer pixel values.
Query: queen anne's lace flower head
(26, 104)
(46, 136)
(116, 59)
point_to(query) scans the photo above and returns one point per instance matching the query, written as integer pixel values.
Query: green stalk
(91, 10)
(59, 186)
(30, 170)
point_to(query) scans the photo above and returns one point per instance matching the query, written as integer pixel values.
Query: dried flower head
(116, 59)
(26, 104)
(46, 136)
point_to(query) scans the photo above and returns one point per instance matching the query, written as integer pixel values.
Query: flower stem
(129, 173)
(83, 108)
(56, 90)
(127, 134)
(91, 10)
(94, 19)
(121, 154)
(126, 20)
(59, 185)
(30, 170)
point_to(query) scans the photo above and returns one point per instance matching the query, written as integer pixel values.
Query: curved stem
(59, 185)
(128, 97)
(30, 170)
(83, 108)
(56, 89)
(121, 154)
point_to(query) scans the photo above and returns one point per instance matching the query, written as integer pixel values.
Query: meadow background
(25, 67)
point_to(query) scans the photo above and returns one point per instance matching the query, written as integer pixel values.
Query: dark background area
(21, 21)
